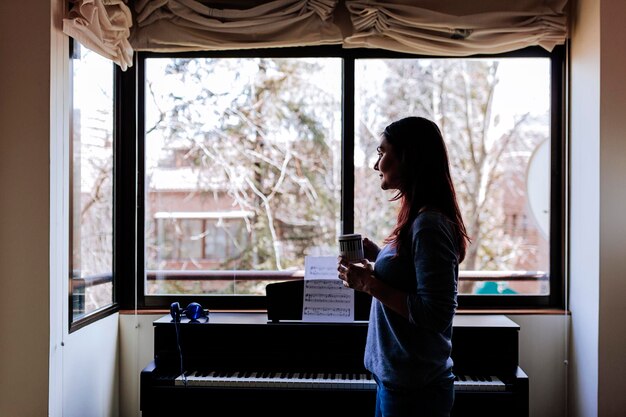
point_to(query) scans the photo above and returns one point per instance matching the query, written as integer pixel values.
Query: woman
(414, 280)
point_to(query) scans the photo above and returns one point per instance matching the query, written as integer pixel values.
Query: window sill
(518, 311)
(145, 312)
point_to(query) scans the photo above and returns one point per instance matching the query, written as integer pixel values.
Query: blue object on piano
(193, 312)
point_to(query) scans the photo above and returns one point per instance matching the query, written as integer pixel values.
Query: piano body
(247, 364)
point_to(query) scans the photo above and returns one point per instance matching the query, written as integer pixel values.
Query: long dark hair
(425, 181)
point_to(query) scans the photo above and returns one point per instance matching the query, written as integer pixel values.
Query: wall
(136, 351)
(43, 369)
(585, 209)
(91, 370)
(24, 207)
(612, 289)
(598, 196)
(84, 366)
(542, 354)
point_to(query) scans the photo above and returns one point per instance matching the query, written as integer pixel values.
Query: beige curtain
(429, 27)
(456, 27)
(102, 26)
(188, 25)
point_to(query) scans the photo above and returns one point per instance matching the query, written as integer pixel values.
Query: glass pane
(242, 170)
(495, 118)
(91, 182)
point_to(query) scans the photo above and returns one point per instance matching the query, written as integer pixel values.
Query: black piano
(257, 364)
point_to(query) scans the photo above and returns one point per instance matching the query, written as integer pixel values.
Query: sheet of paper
(325, 297)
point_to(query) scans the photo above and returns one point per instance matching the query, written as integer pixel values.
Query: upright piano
(249, 364)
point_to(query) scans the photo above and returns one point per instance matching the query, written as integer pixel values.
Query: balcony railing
(242, 275)
(469, 281)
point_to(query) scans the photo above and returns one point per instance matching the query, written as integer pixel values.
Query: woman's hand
(355, 275)
(370, 250)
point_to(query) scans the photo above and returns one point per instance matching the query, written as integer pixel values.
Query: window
(495, 117)
(91, 184)
(242, 170)
(252, 160)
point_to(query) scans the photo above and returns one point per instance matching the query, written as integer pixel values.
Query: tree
(264, 136)
(486, 166)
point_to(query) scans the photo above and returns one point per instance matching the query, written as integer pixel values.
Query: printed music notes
(325, 297)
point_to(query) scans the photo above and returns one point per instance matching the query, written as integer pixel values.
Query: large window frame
(129, 199)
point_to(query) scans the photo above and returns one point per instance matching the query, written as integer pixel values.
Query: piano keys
(478, 383)
(272, 380)
(240, 363)
(314, 381)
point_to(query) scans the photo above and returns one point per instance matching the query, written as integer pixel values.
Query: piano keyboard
(295, 380)
(478, 383)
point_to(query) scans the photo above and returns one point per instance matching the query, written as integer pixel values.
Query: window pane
(91, 182)
(242, 170)
(495, 118)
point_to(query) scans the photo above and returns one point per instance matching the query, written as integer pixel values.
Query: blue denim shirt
(415, 352)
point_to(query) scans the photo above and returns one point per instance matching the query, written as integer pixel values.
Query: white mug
(351, 247)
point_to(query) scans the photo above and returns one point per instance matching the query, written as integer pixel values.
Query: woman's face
(388, 166)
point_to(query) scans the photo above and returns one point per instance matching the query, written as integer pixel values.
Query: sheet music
(325, 297)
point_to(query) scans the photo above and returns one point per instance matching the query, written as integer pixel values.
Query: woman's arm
(433, 305)
(391, 297)
(436, 265)
(360, 277)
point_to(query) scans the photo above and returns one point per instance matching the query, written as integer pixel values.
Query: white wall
(585, 209)
(136, 351)
(91, 370)
(542, 354)
(598, 198)
(24, 207)
(84, 365)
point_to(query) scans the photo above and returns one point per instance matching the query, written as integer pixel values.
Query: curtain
(187, 25)
(102, 26)
(456, 27)
(429, 27)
